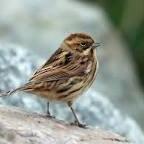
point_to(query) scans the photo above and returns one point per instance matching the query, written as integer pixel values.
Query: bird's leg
(75, 116)
(48, 111)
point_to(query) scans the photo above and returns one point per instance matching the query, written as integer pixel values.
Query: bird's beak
(95, 45)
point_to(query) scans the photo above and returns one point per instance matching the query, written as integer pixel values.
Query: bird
(67, 74)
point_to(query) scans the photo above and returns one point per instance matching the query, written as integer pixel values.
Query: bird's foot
(50, 116)
(79, 124)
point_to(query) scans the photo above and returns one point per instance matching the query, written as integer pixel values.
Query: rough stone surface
(42, 25)
(94, 109)
(20, 127)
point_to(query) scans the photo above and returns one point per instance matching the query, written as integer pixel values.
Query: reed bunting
(67, 73)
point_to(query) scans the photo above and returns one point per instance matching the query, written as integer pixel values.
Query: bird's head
(81, 43)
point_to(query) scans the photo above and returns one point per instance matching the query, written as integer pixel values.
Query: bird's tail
(9, 93)
(26, 88)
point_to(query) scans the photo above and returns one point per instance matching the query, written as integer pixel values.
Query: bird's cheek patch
(86, 52)
(89, 67)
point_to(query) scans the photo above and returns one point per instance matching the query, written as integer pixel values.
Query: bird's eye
(83, 44)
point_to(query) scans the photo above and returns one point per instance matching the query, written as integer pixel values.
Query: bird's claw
(50, 116)
(79, 124)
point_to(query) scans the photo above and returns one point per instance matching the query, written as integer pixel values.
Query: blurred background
(39, 26)
(128, 18)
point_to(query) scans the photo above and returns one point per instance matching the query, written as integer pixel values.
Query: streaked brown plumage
(68, 72)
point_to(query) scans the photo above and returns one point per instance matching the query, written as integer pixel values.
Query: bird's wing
(56, 71)
(61, 65)
(50, 73)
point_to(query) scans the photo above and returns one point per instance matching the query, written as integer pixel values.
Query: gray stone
(20, 127)
(42, 25)
(17, 64)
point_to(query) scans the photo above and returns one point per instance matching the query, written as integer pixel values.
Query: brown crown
(78, 35)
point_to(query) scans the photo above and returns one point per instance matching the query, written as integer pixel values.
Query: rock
(42, 25)
(17, 64)
(20, 127)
